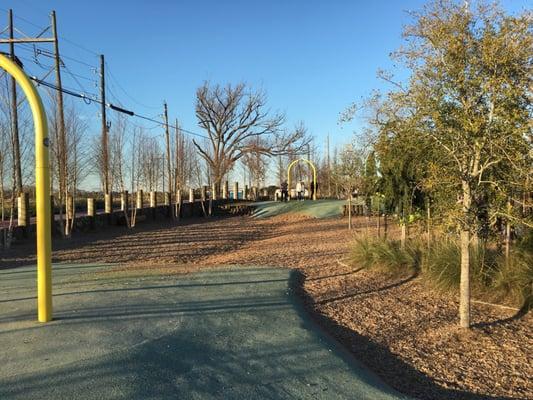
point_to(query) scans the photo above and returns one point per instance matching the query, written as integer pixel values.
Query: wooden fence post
(124, 201)
(179, 202)
(90, 211)
(108, 203)
(70, 207)
(213, 191)
(225, 190)
(139, 201)
(153, 203)
(236, 191)
(167, 200)
(90, 207)
(23, 208)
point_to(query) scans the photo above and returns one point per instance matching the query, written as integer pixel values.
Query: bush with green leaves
(494, 277)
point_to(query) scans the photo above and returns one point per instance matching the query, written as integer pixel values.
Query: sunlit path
(234, 333)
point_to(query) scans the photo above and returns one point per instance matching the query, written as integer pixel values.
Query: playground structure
(313, 168)
(42, 189)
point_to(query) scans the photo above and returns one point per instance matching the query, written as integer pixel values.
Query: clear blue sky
(312, 57)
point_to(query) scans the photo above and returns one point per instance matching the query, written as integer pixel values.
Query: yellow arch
(293, 163)
(42, 189)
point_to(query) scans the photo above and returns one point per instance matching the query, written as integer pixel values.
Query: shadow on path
(234, 334)
(377, 357)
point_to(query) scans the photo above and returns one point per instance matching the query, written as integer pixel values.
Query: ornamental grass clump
(441, 265)
(513, 281)
(493, 277)
(385, 255)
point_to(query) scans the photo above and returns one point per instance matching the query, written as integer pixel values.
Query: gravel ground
(399, 327)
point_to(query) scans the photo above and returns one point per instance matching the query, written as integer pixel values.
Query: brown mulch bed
(398, 326)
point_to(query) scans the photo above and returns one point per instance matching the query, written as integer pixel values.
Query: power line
(88, 98)
(124, 90)
(61, 37)
(64, 66)
(35, 49)
(111, 106)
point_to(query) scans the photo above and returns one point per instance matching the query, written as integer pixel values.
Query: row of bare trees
(239, 127)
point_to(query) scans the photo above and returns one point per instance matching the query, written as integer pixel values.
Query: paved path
(311, 208)
(234, 333)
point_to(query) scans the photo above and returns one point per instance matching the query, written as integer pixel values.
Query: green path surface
(233, 333)
(315, 209)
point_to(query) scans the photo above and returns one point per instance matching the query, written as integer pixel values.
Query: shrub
(385, 255)
(492, 277)
(442, 265)
(513, 281)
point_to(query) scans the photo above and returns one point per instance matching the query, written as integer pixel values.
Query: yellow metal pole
(42, 189)
(314, 179)
(289, 174)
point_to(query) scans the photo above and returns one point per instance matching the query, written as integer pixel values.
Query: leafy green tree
(470, 93)
(370, 182)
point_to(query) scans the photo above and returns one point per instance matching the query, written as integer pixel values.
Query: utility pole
(105, 150)
(309, 169)
(63, 157)
(329, 167)
(14, 112)
(178, 171)
(167, 140)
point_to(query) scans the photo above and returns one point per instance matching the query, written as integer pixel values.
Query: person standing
(284, 191)
(300, 190)
(313, 188)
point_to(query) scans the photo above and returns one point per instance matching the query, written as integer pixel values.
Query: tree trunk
(350, 211)
(429, 225)
(508, 234)
(2, 204)
(464, 288)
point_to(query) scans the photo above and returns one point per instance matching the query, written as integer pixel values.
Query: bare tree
(347, 173)
(117, 139)
(185, 159)
(256, 163)
(78, 161)
(151, 162)
(234, 117)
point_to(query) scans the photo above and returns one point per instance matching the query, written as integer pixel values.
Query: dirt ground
(399, 327)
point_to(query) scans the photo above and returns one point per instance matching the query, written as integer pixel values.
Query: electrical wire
(108, 70)
(111, 106)
(91, 98)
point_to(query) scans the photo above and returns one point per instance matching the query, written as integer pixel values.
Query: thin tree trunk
(429, 226)
(350, 211)
(11, 217)
(464, 288)
(508, 235)
(2, 194)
